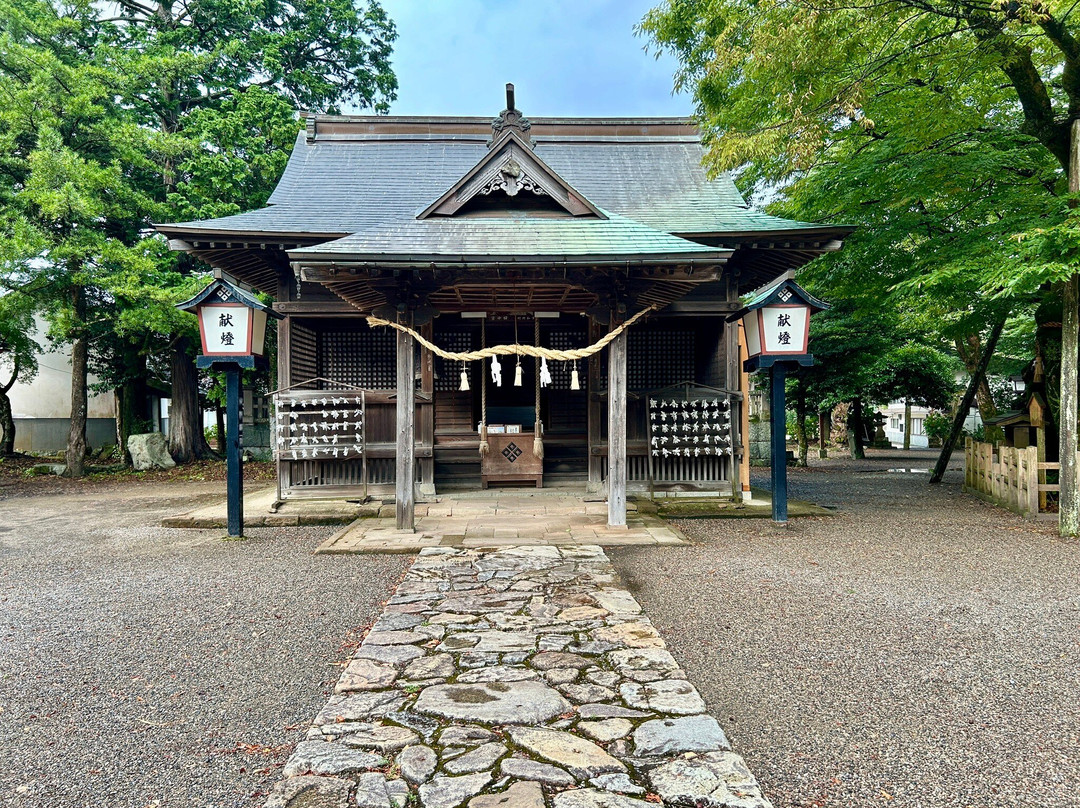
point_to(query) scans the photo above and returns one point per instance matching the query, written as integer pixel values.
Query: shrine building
(546, 236)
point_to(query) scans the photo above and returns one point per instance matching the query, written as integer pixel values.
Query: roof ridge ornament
(510, 119)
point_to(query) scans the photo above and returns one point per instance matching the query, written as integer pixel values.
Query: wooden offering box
(511, 460)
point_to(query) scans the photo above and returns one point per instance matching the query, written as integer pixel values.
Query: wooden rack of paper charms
(689, 425)
(312, 427)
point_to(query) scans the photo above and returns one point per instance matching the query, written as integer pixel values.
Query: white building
(42, 408)
(894, 424)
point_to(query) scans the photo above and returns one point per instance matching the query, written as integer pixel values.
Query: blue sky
(565, 57)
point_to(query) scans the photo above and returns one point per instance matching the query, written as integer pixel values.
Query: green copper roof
(515, 238)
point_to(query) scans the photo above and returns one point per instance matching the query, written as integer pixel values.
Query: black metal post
(234, 470)
(778, 433)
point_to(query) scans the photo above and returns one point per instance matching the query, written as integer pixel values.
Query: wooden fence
(1012, 478)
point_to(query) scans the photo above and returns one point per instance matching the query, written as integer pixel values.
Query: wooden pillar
(594, 414)
(732, 381)
(283, 356)
(427, 414)
(404, 501)
(617, 432)
(744, 418)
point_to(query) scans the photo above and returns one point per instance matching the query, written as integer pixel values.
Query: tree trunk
(800, 425)
(219, 414)
(1069, 497)
(187, 442)
(7, 420)
(907, 425)
(856, 436)
(965, 403)
(132, 416)
(7, 426)
(75, 456)
(969, 350)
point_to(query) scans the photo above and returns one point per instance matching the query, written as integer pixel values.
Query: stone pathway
(502, 520)
(521, 677)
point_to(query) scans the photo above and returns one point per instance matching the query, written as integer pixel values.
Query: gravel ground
(142, 666)
(920, 648)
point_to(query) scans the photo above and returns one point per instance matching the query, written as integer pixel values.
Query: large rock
(417, 763)
(448, 792)
(361, 706)
(149, 451)
(479, 759)
(635, 634)
(606, 730)
(583, 758)
(386, 739)
(327, 757)
(646, 664)
(540, 772)
(311, 792)
(493, 702)
(519, 795)
(713, 780)
(366, 674)
(672, 736)
(371, 791)
(677, 696)
(592, 798)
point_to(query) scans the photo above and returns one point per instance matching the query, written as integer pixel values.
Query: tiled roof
(518, 237)
(342, 185)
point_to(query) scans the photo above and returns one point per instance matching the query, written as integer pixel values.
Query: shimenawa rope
(534, 351)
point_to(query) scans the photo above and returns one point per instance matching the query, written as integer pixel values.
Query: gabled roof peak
(511, 167)
(510, 120)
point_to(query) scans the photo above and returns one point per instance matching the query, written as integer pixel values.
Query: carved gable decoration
(512, 168)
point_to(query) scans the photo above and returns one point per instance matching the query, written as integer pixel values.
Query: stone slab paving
(522, 677)
(505, 520)
(257, 513)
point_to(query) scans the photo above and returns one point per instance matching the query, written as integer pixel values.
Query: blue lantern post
(777, 326)
(232, 326)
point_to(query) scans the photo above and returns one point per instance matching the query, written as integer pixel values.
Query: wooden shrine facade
(470, 234)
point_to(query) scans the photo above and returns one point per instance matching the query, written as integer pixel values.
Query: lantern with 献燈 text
(232, 327)
(776, 322)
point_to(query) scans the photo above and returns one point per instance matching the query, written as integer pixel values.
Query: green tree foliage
(119, 114)
(217, 84)
(70, 159)
(915, 374)
(941, 129)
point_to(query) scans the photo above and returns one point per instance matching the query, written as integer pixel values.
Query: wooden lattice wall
(360, 356)
(303, 353)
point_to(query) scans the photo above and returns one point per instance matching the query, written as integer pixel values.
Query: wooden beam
(617, 432)
(315, 307)
(404, 481)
